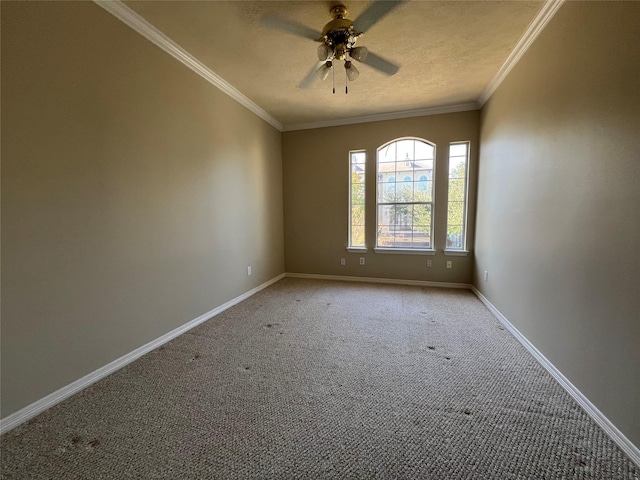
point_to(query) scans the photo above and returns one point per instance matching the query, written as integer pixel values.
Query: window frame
(350, 247)
(452, 251)
(407, 250)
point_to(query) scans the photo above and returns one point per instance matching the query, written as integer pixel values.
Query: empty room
(320, 239)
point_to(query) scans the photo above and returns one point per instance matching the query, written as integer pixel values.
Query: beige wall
(316, 176)
(558, 205)
(134, 195)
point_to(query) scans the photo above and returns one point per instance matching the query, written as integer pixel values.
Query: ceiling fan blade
(381, 64)
(311, 77)
(291, 27)
(374, 13)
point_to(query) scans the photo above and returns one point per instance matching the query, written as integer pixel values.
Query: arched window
(404, 213)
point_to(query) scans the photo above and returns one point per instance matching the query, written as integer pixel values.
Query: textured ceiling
(448, 52)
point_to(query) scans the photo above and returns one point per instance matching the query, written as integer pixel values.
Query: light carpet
(313, 379)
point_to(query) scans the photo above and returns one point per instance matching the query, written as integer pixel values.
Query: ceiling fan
(338, 41)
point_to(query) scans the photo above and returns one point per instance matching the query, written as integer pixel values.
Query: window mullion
(404, 196)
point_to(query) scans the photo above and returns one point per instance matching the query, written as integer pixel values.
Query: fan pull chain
(333, 79)
(346, 84)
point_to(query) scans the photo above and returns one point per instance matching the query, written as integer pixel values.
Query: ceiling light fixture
(359, 53)
(338, 41)
(323, 71)
(352, 71)
(324, 52)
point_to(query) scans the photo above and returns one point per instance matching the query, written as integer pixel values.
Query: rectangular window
(357, 160)
(457, 195)
(405, 195)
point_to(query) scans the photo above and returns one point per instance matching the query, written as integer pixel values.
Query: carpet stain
(371, 365)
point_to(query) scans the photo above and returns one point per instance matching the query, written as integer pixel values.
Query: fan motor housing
(338, 24)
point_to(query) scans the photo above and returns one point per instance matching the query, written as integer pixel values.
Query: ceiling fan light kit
(359, 53)
(352, 71)
(338, 40)
(324, 52)
(324, 69)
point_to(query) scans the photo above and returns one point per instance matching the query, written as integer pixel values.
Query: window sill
(357, 249)
(406, 251)
(456, 253)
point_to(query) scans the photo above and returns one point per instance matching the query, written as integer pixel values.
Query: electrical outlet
(343, 262)
(486, 276)
(429, 263)
(361, 260)
(249, 270)
(449, 264)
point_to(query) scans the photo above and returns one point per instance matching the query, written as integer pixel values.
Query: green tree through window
(357, 199)
(457, 195)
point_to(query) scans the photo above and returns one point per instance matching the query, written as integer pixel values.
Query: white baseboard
(58, 396)
(393, 281)
(610, 429)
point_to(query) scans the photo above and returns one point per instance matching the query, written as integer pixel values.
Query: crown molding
(534, 29)
(463, 107)
(151, 33)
